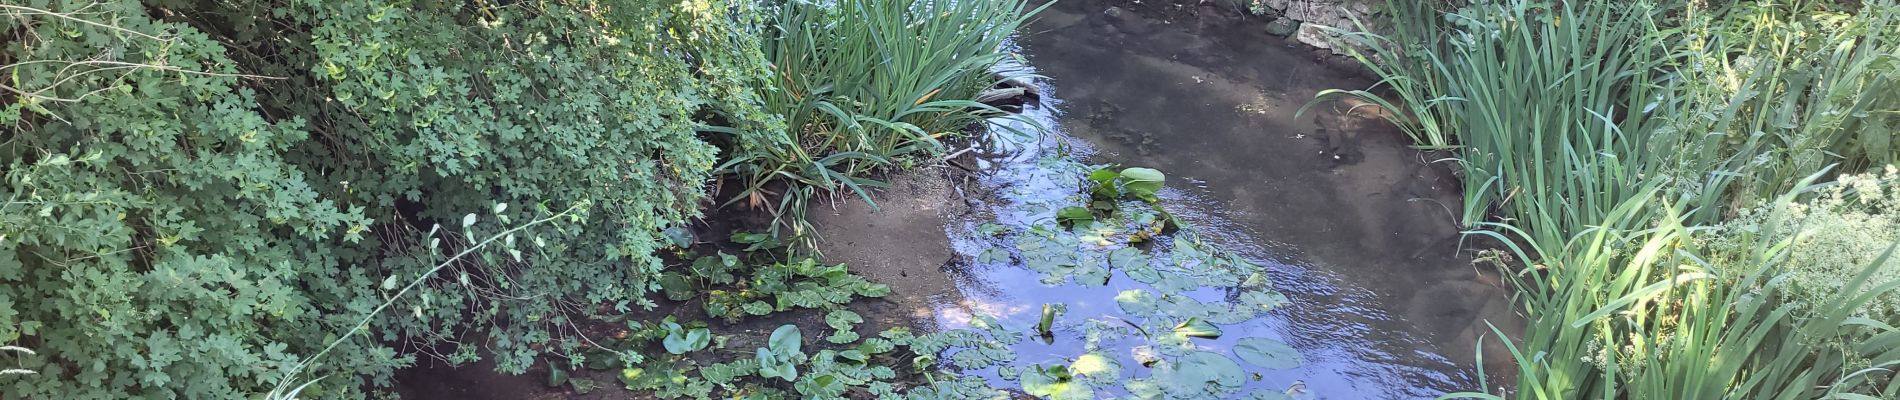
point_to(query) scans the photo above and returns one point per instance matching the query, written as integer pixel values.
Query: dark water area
(1356, 229)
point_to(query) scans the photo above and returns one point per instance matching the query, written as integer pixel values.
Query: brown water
(1355, 228)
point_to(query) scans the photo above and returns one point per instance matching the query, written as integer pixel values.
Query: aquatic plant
(859, 86)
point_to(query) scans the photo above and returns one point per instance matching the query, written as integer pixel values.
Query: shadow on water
(1352, 226)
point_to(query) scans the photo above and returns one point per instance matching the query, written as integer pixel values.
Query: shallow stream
(1351, 226)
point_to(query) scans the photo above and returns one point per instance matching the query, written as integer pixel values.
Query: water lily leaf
(1267, 353)
(1136, 302)
(1091, 275)
(993, 255)
(1199, 373)
(1054, 383)
(1127, 258)
(1097, 367)
(990, 229)
(1074, 216)
(1262, 301)
(1195, 327)
(1142, 182)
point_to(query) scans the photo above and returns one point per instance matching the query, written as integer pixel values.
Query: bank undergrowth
(200, 195)
(1638, 161)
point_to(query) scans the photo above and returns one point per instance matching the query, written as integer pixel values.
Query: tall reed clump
(1603, 142)
(862, 85)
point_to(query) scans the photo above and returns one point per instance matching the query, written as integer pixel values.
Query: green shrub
(199, 193)
(1838, 233)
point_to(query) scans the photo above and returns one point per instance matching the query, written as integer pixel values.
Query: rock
(1128, 22)
(1316, 35)
(1283, 27)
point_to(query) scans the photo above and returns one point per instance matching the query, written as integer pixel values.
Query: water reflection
(1353, 227)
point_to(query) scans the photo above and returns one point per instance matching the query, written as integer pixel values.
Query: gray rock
(1283, 27)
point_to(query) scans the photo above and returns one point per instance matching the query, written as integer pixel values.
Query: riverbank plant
(200, 195)
(860, 86)
(1626, 157)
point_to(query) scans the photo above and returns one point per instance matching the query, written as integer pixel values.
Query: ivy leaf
(1267, 353)
(468, 220)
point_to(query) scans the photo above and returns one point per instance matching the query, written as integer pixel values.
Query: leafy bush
(1838, 233)
(189, 184)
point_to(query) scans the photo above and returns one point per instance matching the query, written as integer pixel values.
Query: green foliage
(782, 286)
(780, 356)
(860, 84)
(189, 184)
(682, 340)
(1668, 121)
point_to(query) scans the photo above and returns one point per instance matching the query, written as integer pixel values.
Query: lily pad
(1127, 258)
(1136, 302)
(1267, 353)
(1196, 327)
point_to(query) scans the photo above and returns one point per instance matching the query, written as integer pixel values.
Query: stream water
(1350, 231)
(1355, 229)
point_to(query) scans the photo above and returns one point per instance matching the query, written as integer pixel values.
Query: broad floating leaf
(1267, 353)
(1195, 327)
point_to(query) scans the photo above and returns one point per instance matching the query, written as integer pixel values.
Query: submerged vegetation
(1675, 186)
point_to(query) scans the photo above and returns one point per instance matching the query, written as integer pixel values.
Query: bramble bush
(200, 193)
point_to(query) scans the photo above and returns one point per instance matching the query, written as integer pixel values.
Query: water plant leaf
(1091, 275)
(1054, 383)
(1200, 373)
(1074, 215)
(680, 340)
(1195, 327)
(1136, 302)
(1267, 353)
(993, 255)
(1097, 367)
(1102, 184)
(1127, 258)
(675, 286)
(785, 340)
(1142, 182)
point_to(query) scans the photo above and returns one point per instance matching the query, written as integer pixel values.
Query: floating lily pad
(1267, 353)
(1136, 302)
(1196, 327)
